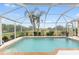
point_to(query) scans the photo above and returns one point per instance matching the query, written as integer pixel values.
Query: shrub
(47, 33)
(21, 34)
(35, 33)
(5, 38)
(50, 33)
(26, 33)
(63, 33)
(12, 36)
(39, 33)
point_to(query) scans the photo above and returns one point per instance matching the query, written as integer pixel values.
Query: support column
(66, 29)
(68, 33)
(69, 29)
(56, 31)
(78, 27)
(72, 29)
(15, 30)
(0, 32)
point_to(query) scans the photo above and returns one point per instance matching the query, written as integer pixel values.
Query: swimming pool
(42, 44)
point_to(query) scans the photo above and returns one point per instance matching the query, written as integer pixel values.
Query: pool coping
(9, 43)
(44, 36)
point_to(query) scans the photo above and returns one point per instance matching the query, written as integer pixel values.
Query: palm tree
(35, 19)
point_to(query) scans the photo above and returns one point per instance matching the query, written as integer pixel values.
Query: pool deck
(60, 51)
(74, 38)
(68, 52)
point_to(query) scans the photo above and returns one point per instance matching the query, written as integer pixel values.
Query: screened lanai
(42, 19)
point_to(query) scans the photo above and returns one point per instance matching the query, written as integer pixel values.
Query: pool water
(42, 44)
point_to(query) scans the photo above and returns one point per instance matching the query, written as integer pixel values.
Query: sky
(19, 14)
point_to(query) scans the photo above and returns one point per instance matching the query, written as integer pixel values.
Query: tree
(34, 17)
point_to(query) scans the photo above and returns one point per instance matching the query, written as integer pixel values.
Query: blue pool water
(42, 44)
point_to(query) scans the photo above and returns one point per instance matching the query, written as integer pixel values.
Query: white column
(15, 30)
(66, 26)
(72, 29)
(0, 32)
(78, 27)
(56, 30)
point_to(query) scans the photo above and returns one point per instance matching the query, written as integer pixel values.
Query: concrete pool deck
(74, 37)
(60, 51)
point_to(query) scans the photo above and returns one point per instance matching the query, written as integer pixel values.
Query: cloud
(77, 15)
(9, 5)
